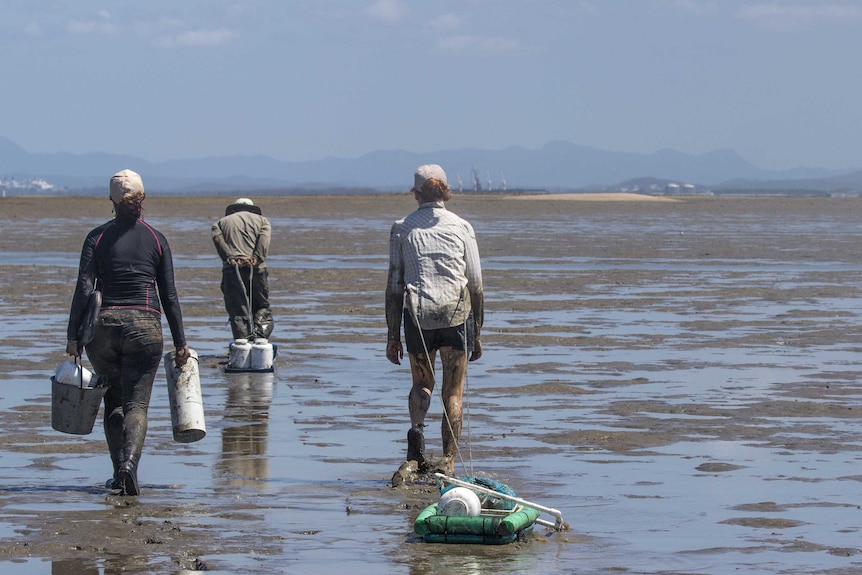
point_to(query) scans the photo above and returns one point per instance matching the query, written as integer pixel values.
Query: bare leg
(419, 399)
(454, 371)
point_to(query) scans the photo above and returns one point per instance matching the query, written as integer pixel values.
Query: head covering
(428, 172)
(125, 183)
(242, 205)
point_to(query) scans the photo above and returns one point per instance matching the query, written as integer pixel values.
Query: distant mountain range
(558, 166)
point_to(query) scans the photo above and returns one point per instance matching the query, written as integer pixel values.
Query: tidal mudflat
(679, 377)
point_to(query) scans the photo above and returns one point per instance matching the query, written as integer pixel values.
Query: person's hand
(181, 355)
(394, 351)
(477, 350)
(72, 348)
(241, 261)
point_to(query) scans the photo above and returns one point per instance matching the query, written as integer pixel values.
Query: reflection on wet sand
(76, 567)
(244, 461)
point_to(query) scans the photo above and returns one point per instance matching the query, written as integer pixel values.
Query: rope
(466, 409)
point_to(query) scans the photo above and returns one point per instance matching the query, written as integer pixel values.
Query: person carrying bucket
(435, 284)
(131, 263)
(241, 239)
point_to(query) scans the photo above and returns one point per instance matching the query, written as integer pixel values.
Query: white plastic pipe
(555, 512)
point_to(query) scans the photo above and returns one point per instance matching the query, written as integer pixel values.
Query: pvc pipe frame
(555, 512)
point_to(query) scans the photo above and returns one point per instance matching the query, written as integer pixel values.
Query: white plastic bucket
(184, 395)
(460, 502)
(239, 356)
(74, 408)
(261, 354)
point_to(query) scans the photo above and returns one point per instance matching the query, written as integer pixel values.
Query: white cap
(125, 183)
(428, 172)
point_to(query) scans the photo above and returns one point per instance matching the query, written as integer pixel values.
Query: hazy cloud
(588, 7)
(698, 7)
(240, 9)
(389, 11)
(100, 25)
(785, 17)
(446, 22)
(165, 31)
(34, 29)
(161, 31)
(482, 43)
(205, 37)
(170, 32)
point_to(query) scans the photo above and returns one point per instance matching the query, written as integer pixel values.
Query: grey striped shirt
(434, 267)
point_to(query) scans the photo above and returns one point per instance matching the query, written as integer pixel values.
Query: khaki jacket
(242, 234)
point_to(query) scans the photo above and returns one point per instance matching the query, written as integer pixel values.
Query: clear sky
(779, 82)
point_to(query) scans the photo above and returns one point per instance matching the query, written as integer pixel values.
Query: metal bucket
(74, 408)
(184, 395)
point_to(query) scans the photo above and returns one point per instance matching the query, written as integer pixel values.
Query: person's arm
(83, 288)
(476, 289)
(220, 244)
(394, 300)
(171, 304)
(261, 248)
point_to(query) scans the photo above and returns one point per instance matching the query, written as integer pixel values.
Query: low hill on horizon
(557, 166)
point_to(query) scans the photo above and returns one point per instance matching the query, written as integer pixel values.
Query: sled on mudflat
(496, 517)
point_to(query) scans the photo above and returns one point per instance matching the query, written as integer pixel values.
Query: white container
(184, 395)
(70, 373)
(261, 354)
(239, 356)
(460, 502)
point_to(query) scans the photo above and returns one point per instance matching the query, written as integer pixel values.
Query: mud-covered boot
(116, 460)
(263, 323)
(416, 446)
(127, 477)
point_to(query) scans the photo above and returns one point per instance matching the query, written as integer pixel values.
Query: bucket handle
(80, 371)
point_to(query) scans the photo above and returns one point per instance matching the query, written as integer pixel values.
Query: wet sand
(678, 376)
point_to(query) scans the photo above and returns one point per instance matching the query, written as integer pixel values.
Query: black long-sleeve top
(133, 264)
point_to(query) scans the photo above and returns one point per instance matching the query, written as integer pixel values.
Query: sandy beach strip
(595, 197)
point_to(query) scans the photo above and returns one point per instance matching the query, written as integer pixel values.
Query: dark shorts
(457, 337)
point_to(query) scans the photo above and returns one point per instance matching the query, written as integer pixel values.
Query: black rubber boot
(127, 477)
(416, 445)
(263, 323)
(116, 460)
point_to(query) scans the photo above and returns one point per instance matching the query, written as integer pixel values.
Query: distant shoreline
(603, 196)
(599, 197)
(572, 196)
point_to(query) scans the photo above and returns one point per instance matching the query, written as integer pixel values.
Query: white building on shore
(24, 186)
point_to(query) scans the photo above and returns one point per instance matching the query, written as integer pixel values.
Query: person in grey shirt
(242, 239)
(435, 285)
